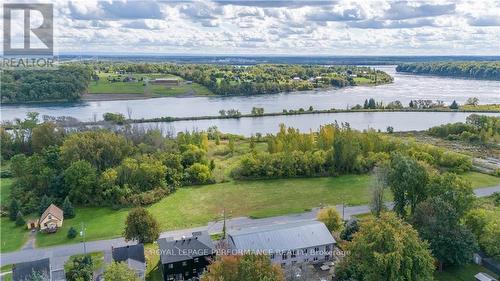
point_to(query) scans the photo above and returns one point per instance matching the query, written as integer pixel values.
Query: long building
(286, 244)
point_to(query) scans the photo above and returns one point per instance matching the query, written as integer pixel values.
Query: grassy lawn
(195, 206)
(153, 270)
(97, 261)
(481, 180)
(362, 81)
(5, 185)
(11, 237)
(463, 273)
(104, 86)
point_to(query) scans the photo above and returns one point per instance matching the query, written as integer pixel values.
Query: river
(406, 87)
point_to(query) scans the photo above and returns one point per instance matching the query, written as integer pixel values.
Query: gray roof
(200, 244)
(281, 237)
(134, 252)
(23, 271)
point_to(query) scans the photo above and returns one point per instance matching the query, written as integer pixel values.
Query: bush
(72, 233)
(117, 118)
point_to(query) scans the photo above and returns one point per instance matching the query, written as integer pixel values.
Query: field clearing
(463, 273)
(195, 206)
(139, 86)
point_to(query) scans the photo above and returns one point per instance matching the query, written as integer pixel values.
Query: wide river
(406, 87)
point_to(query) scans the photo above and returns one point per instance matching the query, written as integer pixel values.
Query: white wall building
(286, 244)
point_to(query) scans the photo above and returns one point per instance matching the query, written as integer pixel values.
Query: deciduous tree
(386, 248)
(248, 267)
(141, 226)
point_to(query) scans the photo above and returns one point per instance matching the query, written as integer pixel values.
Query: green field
(5, 185)
(463, 273)
(195, 206)
(104, 86)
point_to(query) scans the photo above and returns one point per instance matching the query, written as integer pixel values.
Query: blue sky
(370, 27)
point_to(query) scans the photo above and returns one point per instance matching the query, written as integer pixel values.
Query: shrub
(72, 233)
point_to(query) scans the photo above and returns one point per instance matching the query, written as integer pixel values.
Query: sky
(350, 27)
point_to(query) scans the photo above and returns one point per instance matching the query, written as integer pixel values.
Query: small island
(487, 70)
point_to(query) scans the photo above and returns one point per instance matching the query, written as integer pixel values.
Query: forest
(474, 70)
(67, 83)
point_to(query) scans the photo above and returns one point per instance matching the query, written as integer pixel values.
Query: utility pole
(82, 233)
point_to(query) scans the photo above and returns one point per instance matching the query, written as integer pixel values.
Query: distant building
(49, 221)
(25, 270)
(185, 258)
(166, 81)
(286, 244)
(296, 78)
(133, 256)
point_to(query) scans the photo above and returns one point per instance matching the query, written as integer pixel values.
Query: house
(24, 271)
(286, 244)
(481, 276)
(185, 258)
(133, 256)
(166, 81)
(51, 219)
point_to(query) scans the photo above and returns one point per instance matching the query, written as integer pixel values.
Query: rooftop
(129, 252)
(188, 248)
(23, 271)
(281, 237)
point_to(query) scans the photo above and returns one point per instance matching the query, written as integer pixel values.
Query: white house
(286, 244)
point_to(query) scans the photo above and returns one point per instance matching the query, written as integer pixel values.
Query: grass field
(463, 273)
(5, 185)
(104, 86)
(195, 206)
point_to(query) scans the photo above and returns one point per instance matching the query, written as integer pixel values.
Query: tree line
(336, 149)
(67, 83)
(473, 69)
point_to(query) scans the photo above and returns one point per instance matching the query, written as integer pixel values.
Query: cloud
(114, 10)
(285, 27)
(485, 21)
(400, 10)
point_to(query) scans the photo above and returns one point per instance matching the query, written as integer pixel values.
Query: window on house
(284, 256)
(186, 273)
(305, 251)
(170, 265)
(315, 259)
(316, 249)
(294, 254)
(184, 263)
(327, 248)
(194, 270)
(272, 256)
(196, 259)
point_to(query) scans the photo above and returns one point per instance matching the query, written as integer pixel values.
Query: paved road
(59, 254)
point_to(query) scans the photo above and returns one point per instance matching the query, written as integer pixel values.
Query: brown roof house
(51, 219)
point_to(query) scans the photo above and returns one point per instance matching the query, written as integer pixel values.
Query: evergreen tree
(365, 106)
(14, 208)
(411, 104)
(19, 219)
(68, 209)
(454, 105)
(44, 204)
